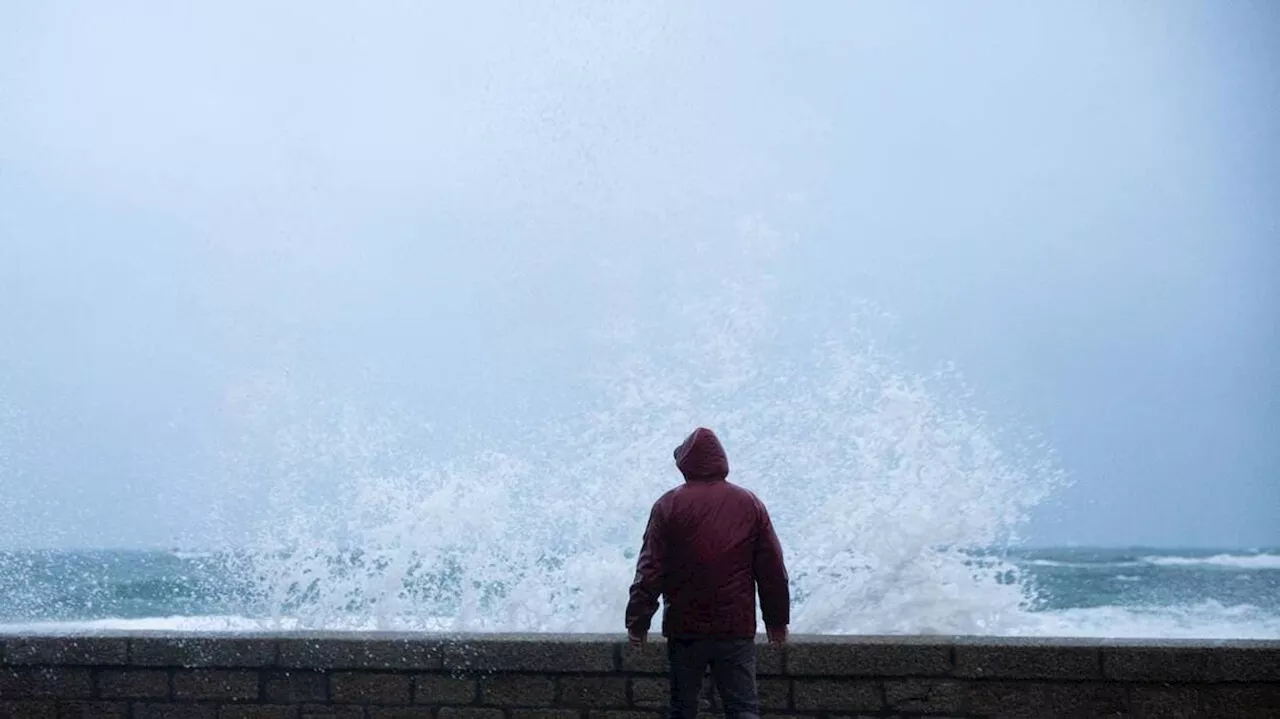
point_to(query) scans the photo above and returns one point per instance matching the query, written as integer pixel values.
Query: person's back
(709, 544)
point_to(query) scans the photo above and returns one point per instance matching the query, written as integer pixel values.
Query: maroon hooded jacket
(708, 546)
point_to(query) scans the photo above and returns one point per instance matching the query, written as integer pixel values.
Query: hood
(701, 457)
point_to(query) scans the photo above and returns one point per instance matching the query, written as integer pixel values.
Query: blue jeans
(733, 669)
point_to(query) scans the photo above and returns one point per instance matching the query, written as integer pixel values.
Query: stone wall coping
(375, 675)
(391, 637)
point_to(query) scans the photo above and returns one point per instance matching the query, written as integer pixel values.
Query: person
(708, 546)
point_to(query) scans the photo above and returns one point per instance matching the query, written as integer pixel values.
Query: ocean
(1088, 592)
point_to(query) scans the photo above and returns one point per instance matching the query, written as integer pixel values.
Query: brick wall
(387, 676)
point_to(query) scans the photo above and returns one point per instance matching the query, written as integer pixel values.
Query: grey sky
(436, 206)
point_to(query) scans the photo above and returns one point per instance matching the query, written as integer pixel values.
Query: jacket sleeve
(771, 575)
(647, 586)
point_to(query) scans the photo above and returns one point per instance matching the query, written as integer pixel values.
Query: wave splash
(881, 481)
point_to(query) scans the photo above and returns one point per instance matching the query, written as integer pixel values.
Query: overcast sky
(437, 209)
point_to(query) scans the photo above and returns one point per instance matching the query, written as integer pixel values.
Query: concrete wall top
(803, 656)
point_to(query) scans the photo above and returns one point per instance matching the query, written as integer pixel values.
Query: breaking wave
(1248, 562)
(881, 481)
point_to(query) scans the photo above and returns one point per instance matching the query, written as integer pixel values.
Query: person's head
(701, 458)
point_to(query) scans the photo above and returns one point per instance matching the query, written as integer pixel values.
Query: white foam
(1226, 561)
(1207, 620)
(1078, 565)
(1051, 563)
(183, 555)
(212, 623)
(173, 623)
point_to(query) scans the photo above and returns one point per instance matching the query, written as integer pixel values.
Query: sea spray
(883, 482)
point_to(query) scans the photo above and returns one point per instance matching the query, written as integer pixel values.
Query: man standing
(709, 544)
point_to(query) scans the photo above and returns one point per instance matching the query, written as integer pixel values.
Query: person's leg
(688, 664)
(733, 667)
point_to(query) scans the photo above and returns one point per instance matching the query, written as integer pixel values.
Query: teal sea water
(1072, 592)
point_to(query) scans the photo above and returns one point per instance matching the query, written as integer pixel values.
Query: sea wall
(384, 676)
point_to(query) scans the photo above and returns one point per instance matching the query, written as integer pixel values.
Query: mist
(434, 223)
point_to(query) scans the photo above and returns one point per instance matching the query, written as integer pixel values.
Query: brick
(175, 711)
(871, 657)
(93, 710)
(837, 695)
(649, 659)
(1244, 662)
(82, 651)
(258, 711)
(297, 687)
(517, 691)
(769, 659)
(1041, 699)
(775, 694)
(46, 683)
(629, 714)
(652, 693)
(469, 713)
(1173, 702)
(133, 684)
(370, 688)
(594, 692)
(328, 711)
(216, 684)
(930, 696)
(1191, 660)
(652, 659)
(400, 713)
(1245, 701)
(357, 653)
(1028, 661)
(28, 710)
(1155, 664)
(545, 714)
(439, 689)
(567, 654)
(202, 652)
